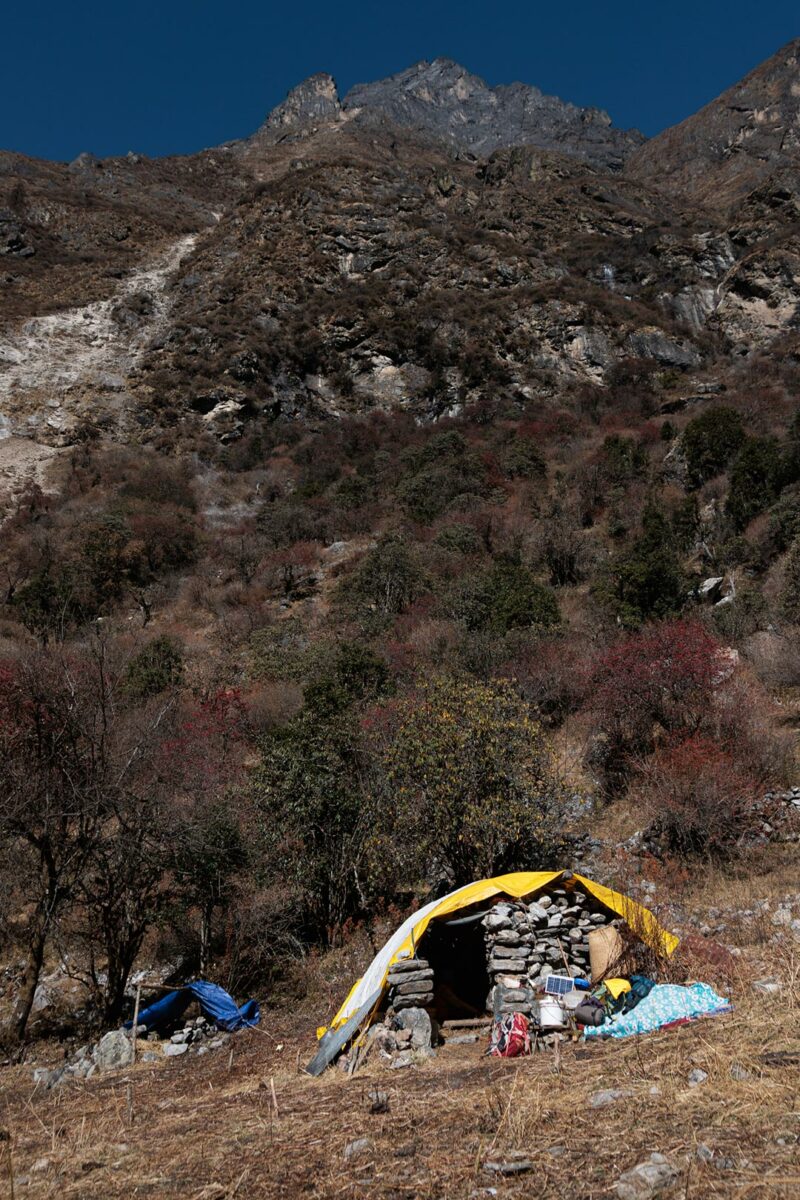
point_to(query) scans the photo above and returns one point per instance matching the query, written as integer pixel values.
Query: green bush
(388, 578)
(505, 597)
(646, 583)
(754, 480)
(710, 441)
(156, 667)
(459, 539)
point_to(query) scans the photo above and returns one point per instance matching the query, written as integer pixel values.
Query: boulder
(647, 1179)
(114, 1050)
(420, 1024)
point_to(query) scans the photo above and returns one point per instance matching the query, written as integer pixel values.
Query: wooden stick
(5, 1136)
(135, 1021)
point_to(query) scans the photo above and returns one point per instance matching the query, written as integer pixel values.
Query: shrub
(387, 579)
(790, 592)
(156, 667)
(505, 597)
(754, 480)
(459, 539)
(623, 460)
(648, 582)
(662, 678)
(710, 441)
(699, 801)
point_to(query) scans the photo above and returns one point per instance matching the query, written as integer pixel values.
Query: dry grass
(204, 1129)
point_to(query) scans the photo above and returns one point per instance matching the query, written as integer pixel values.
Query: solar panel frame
(558, 985)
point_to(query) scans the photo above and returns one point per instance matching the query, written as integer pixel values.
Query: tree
(646, 583)
(710, 441)
(754, 480)
(315, 817)
(466, 781)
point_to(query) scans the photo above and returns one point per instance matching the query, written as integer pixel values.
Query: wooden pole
(135, 1021)
(5, 1136)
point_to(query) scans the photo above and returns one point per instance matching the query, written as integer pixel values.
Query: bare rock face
(724, 150)
(444, 101)
(311, 102)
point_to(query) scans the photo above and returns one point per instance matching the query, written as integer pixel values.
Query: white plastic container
(551, 1014)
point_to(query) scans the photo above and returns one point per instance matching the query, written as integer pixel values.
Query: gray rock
(113, 1050)
(404, 1059)
(538, 912)
(697, 1076)
(608, 1096)
(150, 1056)
(173, 1049)
(409, 964)
(418, 1021)
(182, 1035)
(403, 978)
(423, 988)
(768, 987)
(378, 1102)
(647, 1179)
(401, 1003)
(514, 1166)
(739, 1073)
(358, 1147)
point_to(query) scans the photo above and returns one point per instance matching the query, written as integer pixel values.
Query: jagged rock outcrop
(315, 99)
(442, 100)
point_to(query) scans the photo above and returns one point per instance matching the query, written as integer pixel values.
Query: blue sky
(175, 76)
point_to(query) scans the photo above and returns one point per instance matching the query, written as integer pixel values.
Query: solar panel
(558, 985)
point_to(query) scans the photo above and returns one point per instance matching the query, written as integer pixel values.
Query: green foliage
(387, 579)
(710, 441)
(522, 459)
(313, 819)
(444, 469)
(282, 651)
(746, 613)
(507, 596)
(685, 523)
(784, 521)
(754, 480)
(353, 675)
(459, 539)
(467, 782)
(646, 583)
(623, 460)
(790, 592)
(156, 667)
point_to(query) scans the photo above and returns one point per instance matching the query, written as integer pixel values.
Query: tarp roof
(519, 885)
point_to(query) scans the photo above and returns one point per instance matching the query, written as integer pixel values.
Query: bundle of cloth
(664, 1006)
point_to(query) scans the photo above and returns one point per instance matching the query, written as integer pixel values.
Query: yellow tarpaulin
(518, 886)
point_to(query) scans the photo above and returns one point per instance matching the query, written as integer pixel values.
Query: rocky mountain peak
(314, 100)
(443, 100)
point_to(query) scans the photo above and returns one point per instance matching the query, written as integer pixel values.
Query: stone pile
(410, 984)
(526, 942)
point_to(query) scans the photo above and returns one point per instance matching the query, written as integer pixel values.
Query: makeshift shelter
(448, 933)
(217, 1005)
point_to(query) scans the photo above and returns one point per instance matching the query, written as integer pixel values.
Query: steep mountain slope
(356, 254)
(735, 142)
(445, 101)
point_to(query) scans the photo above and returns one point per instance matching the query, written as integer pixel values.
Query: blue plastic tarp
(216, 1005)
(666, 1004)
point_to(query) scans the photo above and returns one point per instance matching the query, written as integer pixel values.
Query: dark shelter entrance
(456, 951)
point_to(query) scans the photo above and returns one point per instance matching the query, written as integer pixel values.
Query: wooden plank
(335, 1040)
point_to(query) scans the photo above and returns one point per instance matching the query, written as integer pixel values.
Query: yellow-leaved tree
(468, 781)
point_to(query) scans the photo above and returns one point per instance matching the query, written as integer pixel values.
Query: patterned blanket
(667, 1004)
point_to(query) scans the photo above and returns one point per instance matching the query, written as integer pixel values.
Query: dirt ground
(245, 1121)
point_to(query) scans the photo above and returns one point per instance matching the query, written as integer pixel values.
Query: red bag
(510, 1036)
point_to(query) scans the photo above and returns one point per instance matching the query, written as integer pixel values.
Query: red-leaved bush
(662, 679)
(697, 798)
